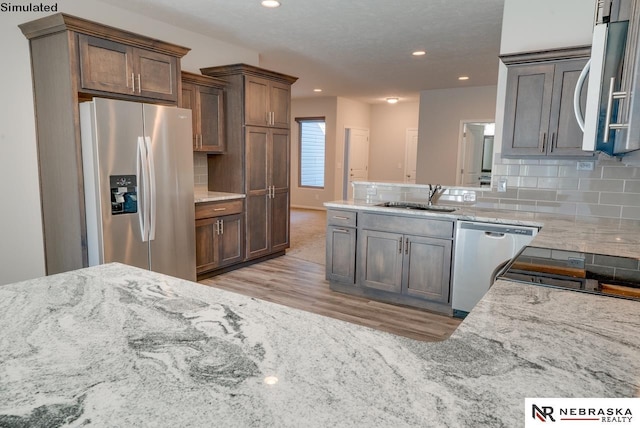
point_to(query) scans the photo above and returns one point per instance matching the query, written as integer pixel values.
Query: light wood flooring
(300, 284)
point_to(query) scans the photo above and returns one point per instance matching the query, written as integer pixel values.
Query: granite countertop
(202, 194)
(596, 235)
(114, 345)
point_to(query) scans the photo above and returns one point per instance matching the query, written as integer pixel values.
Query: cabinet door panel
(341, 254)
(211, 120)
(257, 159)
(189, 101)
(257, 226)
(231, 239)
(280, 96)
(207, 255)
(527, 109)
(380, 260)
(280, 220)
(256, 101)
(157, 74)
(105, 65)
(566, 135)
(279, 159)
(427, 268)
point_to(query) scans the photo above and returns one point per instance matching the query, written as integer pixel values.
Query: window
(312, 145)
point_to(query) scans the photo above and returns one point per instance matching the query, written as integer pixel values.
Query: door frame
(406, 152)
(461, 145)
(345, 163)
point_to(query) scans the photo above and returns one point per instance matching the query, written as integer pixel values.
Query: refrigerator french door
(138, 179)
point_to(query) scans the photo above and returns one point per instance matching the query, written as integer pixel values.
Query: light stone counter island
(114, 345)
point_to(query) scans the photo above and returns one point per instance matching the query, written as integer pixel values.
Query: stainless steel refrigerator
(138, 179)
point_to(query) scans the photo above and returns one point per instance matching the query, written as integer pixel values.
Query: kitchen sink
(417, 206)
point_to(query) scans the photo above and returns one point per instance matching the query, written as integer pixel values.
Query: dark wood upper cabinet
(205, 97)
(539, 118)
(115, 67)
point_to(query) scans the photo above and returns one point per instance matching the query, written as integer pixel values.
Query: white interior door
(471, 151)
(356, 160)
(411, 155)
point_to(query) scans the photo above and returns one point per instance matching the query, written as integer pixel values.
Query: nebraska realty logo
(28, 7)
(582, 412)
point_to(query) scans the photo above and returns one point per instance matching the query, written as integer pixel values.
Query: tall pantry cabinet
(257, 159)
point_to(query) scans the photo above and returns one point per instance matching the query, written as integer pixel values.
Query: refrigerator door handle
(152, 190)
(141, 171)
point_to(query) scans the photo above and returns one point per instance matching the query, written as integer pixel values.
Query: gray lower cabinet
(414, 266)
(398, 259)
(341, 254)
(341, 246)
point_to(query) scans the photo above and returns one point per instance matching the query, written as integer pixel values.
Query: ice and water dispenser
(124, 194)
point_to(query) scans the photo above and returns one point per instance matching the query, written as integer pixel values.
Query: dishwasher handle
(495, 235)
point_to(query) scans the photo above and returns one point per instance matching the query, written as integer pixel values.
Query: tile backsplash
(200, 169)
(611, 189)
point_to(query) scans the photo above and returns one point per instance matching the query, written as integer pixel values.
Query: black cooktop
(586, 272)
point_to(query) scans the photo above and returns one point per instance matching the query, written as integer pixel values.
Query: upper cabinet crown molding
(199, 79)
(62, 21)
(575, 52)
(247, 70)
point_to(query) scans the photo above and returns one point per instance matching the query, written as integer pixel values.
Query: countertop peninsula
(114, 345)
(615, 237)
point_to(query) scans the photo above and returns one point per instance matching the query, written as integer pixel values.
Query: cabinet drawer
(412, 225)
(342, 218)
(217, 209)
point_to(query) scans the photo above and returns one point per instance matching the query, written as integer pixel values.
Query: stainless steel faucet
(436, 190)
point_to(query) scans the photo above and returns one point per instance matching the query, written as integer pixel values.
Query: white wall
(389, 125)
(21, 247)
(441, 114)
(326, 107)
(350, 114)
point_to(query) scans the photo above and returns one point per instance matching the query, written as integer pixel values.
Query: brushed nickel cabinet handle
(219, 209)
(400, 246)
(139, 86)
(341, 230)
(339, 217)
(406, 246)
(218, 227)
(133, 83)
(221, 227)
(544, 142)
(553, 141)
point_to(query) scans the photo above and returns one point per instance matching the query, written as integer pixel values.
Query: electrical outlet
(469, 196)
(584, 166)
(502, 184)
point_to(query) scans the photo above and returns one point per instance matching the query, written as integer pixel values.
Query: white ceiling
(357, 49)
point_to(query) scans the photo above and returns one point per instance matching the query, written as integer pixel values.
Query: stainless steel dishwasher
(480, 249)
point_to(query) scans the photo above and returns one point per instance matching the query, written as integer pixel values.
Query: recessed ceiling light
(317, 90)
(463, 78)
(270, 3)
(419, 53)
(392, 100)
